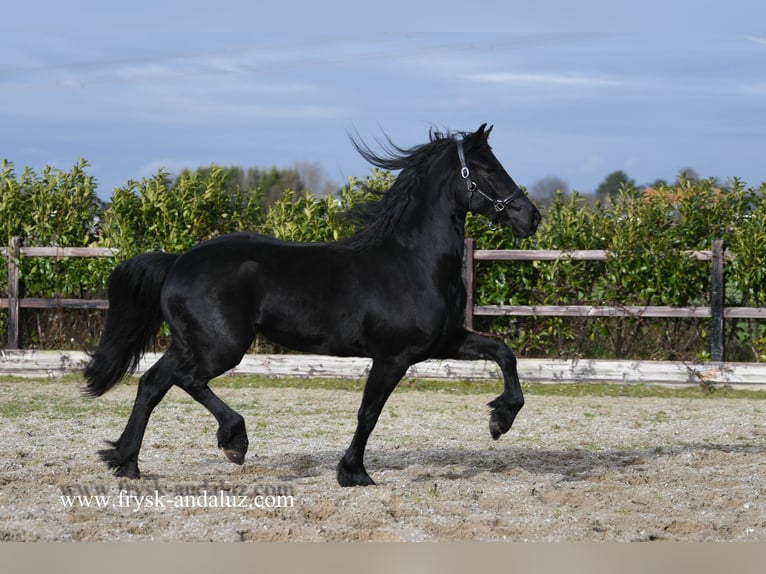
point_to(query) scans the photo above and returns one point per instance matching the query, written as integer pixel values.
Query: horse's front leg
(383, 378)
(472, 346)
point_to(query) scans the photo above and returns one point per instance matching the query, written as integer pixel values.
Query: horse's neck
(435, 227)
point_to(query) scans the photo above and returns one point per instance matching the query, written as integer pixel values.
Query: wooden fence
(14, 302)
(717, 311)
(31, 363)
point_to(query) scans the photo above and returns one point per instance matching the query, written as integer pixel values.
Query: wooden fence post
(14, 252)
(468, 276)
(717, 296)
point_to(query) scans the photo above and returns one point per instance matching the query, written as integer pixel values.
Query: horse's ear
(483, 132)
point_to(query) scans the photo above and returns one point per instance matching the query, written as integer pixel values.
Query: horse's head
(488, 188)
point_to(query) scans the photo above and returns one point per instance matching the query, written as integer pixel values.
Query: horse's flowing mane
(377, 218)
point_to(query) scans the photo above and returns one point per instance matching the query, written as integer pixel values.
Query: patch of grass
(55, 397)
(75, 405)
(640, 390)
(12, 408)
(74, 380)
(54, 406)
(480, 387)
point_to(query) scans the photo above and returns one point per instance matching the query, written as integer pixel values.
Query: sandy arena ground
(571, 469)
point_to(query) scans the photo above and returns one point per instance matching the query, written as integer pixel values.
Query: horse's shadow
(460, 463)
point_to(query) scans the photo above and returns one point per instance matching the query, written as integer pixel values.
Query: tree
(313, 177)
(613, 183)
(689, 173)
(545, 189)
(272, 183)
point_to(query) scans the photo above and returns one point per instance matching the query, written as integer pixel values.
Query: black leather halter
(471, 185)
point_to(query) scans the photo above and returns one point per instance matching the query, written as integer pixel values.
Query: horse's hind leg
(122, 458)
(232, 436)
(211, 332)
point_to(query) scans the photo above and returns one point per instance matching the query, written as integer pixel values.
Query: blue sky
(575, 90)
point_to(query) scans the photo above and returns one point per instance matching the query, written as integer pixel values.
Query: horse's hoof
(234, 446)
(235, 456)
(123, 472)
(356, 480)
(501, 418)
(351, 478)
(494, 428)
(120, 466)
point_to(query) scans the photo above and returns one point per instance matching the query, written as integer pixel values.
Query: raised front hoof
(495, 429)
(234, 445)
(235, 456)
(501, 418)
(348, 477)
(115, 461)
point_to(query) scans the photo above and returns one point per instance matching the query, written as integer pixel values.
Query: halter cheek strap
(465, 173)
(471, 185)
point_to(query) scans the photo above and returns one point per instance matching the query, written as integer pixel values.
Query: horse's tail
(133, 318)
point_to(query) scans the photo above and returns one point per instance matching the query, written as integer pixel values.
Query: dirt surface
(571, 469)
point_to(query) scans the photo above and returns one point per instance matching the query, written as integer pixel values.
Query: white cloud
(756, 40)
(210, 111)
(144, 72)
(593, 164)
(171, 166)
(222, 64)
(758, 89)
(546, 80)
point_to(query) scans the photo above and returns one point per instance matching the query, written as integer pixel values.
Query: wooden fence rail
(14, 302)
(717, 311)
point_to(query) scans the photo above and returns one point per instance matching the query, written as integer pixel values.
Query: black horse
(393, 292)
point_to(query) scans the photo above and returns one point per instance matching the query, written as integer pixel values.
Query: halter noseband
(471, 185)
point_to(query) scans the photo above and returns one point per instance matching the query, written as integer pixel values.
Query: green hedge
(646, 233)
(644, 230)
